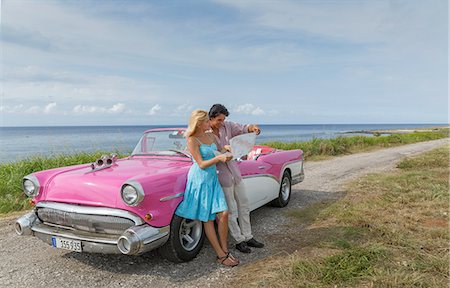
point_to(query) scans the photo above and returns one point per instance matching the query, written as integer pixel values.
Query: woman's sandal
(232, 257)
(228, 260)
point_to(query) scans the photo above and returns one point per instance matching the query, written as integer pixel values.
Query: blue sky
(269, 62)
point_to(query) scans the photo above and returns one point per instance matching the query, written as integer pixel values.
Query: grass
(389, 230)
(12, 197)
(319, 149)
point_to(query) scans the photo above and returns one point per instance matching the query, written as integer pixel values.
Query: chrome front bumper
(133, 241)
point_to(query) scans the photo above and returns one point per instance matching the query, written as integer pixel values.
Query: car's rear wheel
(185, 241)
(285, 191)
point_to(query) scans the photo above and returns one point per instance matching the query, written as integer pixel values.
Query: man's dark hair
(216, 110)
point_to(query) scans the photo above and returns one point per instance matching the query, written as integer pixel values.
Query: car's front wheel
(284, 194)
(185, 241)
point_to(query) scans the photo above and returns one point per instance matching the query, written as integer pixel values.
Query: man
(231, 180)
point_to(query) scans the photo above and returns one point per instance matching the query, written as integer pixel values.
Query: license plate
(68, 244)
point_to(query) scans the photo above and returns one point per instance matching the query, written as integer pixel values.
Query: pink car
(127, 205)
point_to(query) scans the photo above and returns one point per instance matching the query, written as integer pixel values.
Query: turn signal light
(148, 217)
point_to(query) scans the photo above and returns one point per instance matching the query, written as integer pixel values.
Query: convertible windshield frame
(159, 142)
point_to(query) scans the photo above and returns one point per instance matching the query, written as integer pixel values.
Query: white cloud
(12, 109)
(50, 108)
(81, 109)
(258, 111)
(249, 109)
(154, 110)
(183, 109)
(115, 109)
(21, 109)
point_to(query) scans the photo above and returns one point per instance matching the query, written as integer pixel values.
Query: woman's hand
(227, 148)
(229, 156)
(224, 157)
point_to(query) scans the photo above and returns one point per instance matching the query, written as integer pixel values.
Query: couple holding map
(214, 186)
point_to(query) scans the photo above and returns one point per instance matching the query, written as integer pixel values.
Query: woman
(204, 199)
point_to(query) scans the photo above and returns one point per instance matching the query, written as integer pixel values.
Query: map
(242, 144)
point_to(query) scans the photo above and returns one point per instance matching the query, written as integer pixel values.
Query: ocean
(18, 143)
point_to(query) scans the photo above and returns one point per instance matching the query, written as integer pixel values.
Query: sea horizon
(21, 142)
(184, 125)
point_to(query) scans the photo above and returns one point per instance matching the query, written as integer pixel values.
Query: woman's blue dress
(203, 197)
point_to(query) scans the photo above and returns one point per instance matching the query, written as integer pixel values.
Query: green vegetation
(343, 268)
(317, 149)
(12, 197)
(389, 230)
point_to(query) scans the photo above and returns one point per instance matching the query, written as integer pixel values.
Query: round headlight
(30, 188)
(129, 194)
(132, 193)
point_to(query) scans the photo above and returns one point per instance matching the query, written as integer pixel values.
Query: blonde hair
(197, 116)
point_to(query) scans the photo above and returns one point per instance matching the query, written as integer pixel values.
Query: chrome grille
(85, 222)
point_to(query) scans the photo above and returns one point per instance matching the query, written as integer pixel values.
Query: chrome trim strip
(92, 211)
(261, 175)
(167, 198)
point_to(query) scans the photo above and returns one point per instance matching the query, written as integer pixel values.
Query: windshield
(167, 142)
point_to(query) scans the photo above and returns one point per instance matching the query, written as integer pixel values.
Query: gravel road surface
(28, 262)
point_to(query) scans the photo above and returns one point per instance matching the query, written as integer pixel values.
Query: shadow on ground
(271, 225)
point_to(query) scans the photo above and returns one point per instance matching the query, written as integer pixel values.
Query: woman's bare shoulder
(192, 140)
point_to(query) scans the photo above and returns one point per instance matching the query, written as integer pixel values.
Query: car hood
(102, 187)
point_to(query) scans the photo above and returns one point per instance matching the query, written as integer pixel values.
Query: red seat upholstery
(259, 150)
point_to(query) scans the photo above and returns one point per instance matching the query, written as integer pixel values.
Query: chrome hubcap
(285, 189)
(190, 233)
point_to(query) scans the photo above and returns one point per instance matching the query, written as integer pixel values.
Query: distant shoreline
(261, 124)
(399, 131)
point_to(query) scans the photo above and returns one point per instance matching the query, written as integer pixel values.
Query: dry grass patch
(389, 230)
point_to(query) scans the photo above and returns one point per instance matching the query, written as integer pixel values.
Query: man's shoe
(243, 247)
(253, 243)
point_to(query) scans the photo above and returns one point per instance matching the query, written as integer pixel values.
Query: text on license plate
(69, 244)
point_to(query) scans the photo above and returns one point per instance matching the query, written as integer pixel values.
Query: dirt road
(28, 262)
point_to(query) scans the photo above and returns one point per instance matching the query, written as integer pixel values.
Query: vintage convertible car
(127, 205)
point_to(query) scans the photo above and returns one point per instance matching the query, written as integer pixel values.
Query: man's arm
(238, 129)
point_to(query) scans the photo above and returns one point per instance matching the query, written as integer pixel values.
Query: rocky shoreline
(397, 131)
